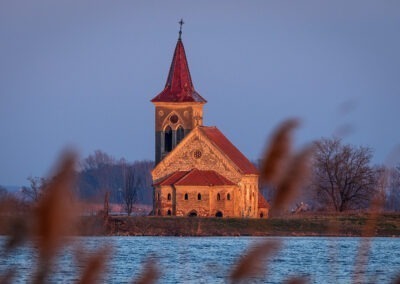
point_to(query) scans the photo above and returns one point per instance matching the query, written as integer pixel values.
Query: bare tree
(10, 204)
(35, 191)
(97, 160)
(343, 178)
(130, 188)
(393, 189)
(97, 176)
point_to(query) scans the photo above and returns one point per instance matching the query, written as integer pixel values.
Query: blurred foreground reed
(55, 217)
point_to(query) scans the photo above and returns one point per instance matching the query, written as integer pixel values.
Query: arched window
(169, 196)
(158, 196)
(159, 212)
(218, 196)
(199, 196)
(169, 212)
(186, 196)
(179, 134)
(228, 196)
(168, 139)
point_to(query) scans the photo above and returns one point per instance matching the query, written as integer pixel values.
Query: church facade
(198, 171)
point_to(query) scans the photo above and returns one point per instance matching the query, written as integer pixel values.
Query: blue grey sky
(82, 73)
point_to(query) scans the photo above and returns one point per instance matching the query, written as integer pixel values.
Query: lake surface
(210, 259)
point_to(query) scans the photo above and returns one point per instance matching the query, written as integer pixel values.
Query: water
(210, 259)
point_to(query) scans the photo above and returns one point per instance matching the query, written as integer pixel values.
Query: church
(198, 171)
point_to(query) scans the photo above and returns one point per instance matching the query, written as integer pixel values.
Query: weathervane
(181, 22)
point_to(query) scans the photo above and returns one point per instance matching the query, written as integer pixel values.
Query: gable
(196, 150)
(223, 143)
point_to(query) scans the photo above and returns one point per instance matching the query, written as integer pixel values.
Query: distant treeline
(337, 177)
(100, 173)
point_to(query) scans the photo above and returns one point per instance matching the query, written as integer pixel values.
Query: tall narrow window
(169, 196)
(228, 196)
(179, 134)
(199, 196)
(186, 196)
(168, 139)
(218, 196)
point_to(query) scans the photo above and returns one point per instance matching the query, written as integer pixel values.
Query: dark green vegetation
(293, 225)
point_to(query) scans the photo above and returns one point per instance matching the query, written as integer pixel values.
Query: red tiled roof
(229, 149)
(195, 177)
(179, 86)
(172, 179)
(262, 203)
(203, 178)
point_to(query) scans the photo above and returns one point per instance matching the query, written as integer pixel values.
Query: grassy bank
(293, 225)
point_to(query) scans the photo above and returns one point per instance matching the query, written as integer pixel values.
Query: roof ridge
(203, 177)
(170, 176)
(186, 175)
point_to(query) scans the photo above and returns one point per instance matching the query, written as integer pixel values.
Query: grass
(388, 225)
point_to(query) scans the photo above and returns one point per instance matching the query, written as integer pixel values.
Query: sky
(82, 73)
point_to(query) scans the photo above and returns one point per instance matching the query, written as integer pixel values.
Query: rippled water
(210, 259)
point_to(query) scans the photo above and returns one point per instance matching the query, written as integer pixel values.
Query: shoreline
(303, 225)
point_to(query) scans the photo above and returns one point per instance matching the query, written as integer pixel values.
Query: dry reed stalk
(369, 231)
(333, 230)
(57, 210)
(14, 222)
(8, 276)
(277, 153)
(55, 215)
(397, 280)
(95, 266)
(297, 280)
(150, 273)
(296, 175)
(18, 232)
(253, 263)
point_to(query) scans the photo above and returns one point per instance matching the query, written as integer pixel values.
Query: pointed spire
(179, 86)
(181, 22)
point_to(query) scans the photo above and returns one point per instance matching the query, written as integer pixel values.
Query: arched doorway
(169, 213)
(261, 215)
(219, 214)
(193, 213)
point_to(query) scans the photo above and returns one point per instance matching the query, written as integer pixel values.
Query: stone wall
(172, 200)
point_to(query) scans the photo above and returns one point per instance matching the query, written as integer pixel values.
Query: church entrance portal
(219, 214)
(193, 213)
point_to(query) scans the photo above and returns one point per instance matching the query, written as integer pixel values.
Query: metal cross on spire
(181, 22)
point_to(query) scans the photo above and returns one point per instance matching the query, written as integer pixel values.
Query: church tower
(198, 171)
(178, 108)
